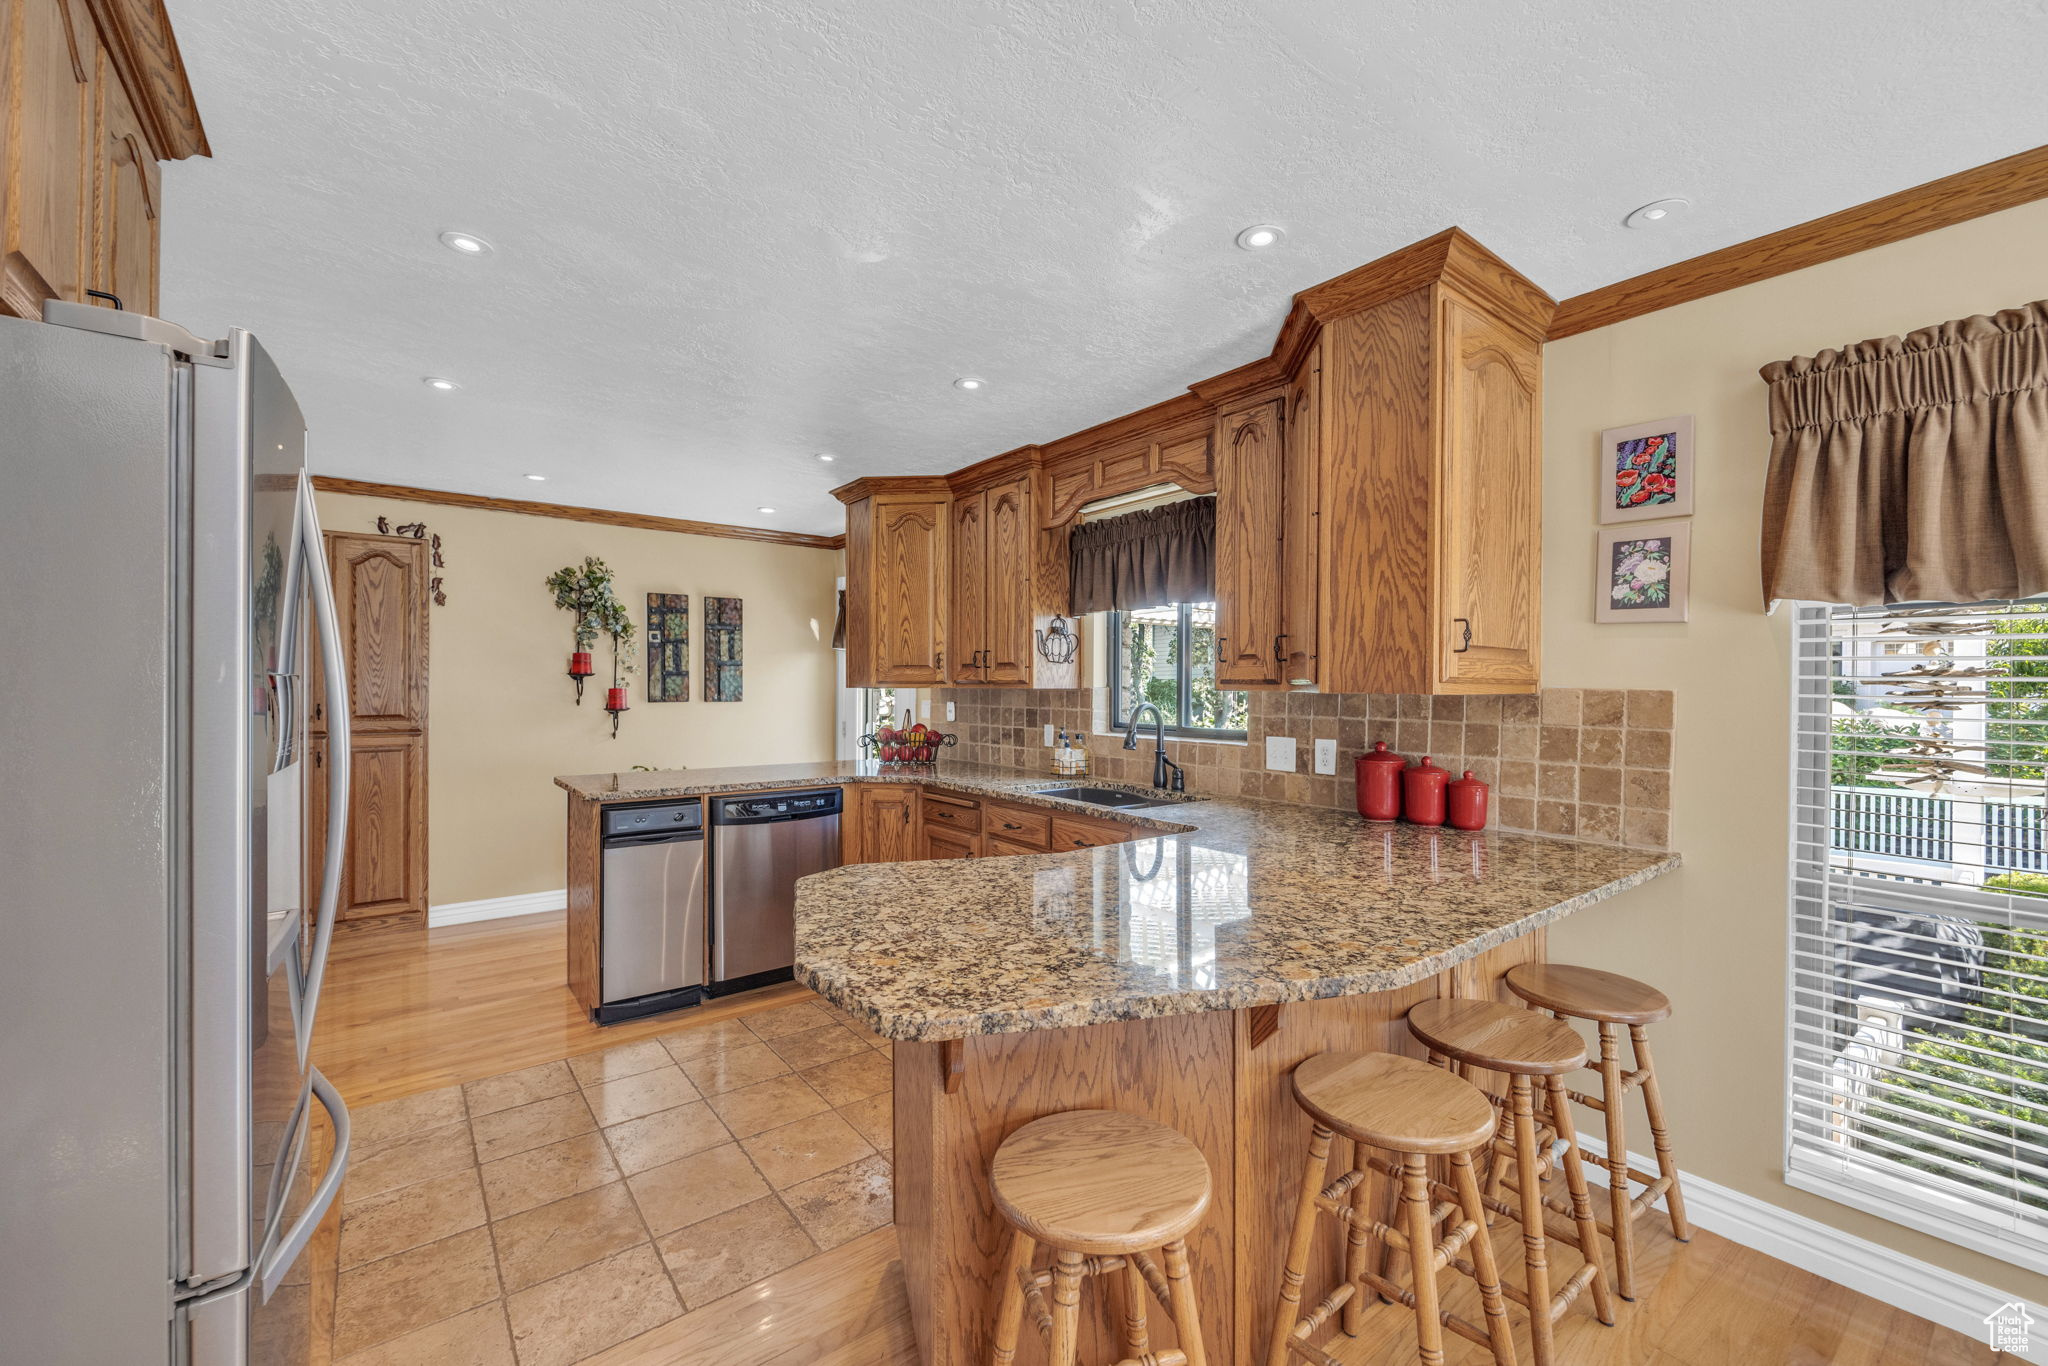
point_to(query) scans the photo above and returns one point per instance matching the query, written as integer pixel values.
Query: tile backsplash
(1591, 763)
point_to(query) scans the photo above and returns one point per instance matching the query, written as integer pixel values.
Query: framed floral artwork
(1644, 573)
(1646, 470)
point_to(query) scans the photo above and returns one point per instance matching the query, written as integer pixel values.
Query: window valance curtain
(1145, 559)
(1912, 469)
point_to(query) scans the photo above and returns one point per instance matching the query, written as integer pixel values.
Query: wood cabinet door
(124, 218)
(1250, 476)
(1012, 559)
(1489, 543)
(1300, 499)
(386, 869)
(967, 623)
(887, 834)
(909, 588)
(940, 842)
(380, 598)
(48, 63)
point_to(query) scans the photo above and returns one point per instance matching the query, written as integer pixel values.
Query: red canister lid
(1380, 754)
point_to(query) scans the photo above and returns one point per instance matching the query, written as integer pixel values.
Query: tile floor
(540, 1217)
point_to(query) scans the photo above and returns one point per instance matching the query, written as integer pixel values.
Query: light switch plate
(1326, 756)
(949, 711)
(1048, 735)
(1280, 753)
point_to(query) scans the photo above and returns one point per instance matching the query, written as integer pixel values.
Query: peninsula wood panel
(1373, 629)
(583, 923)
(1489, 504)
(1251, 474)
(951, 1236)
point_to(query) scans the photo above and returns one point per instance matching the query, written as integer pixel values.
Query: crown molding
(892, 483)
(601, 516)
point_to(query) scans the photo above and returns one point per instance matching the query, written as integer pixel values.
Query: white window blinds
(1919, 950)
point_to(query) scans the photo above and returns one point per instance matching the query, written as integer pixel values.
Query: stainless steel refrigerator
(161, 572)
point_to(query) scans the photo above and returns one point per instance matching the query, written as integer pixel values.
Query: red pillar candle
(579, 665)
(1422, 793)
(615, 699)
(1379, 783)
(1465, 803)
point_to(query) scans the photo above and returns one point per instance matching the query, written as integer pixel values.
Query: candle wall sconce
(1056, 644)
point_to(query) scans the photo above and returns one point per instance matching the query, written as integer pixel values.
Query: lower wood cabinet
(1070, 833)
(995, 847)
(882, 825)
(890, 823)
(1031, 829)
(940, 842)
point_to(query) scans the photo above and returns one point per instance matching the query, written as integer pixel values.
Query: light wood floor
(410, 1011)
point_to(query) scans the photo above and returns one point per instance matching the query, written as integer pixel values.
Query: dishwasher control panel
(781, 805)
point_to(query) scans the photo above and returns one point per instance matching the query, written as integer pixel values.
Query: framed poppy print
(1646, 471)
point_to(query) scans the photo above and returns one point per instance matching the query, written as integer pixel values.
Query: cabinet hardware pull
(1279, 655)
(1460, 649)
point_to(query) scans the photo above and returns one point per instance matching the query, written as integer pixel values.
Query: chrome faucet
(1160, 763)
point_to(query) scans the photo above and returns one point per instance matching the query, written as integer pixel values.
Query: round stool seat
(1400, 1104)
(1589, 993)
(1499, 1037)
(1100, 1181)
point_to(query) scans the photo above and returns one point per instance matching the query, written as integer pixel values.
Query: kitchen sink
(1103, 796)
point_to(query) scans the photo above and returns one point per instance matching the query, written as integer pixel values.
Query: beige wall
(502, 717)
(1714, 935)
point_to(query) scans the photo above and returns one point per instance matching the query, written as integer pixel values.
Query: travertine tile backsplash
(1593, 763)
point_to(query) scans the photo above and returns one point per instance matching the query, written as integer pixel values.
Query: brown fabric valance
(1145, 559)
(1912, 469)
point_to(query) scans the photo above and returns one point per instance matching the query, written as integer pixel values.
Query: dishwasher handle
(652, 837)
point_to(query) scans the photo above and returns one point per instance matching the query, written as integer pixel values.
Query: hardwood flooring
(500, 1248)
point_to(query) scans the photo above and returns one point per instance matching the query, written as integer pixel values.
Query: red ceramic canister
(1422, 793)
(1379, 783)
(1465, 803)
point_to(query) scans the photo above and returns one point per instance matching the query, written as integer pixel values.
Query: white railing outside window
(1918, 1048)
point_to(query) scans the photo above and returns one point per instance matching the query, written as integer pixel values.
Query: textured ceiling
(731, 235)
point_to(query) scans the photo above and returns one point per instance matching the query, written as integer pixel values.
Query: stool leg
(1067, 1272)
(1615, 1097)
(1296, 1268)
(1653, 1101)
(1357, 1246)
(1010, 1311)
(1497, 1327)
(1535, 1246)
(1575, 1185)
(1429, 1327)
(1130, 1284)
(1181, 1291)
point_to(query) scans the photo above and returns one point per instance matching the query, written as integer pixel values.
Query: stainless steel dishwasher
(652, 910)
(760, 846)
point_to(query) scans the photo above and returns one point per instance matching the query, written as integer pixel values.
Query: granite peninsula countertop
(1232, 903)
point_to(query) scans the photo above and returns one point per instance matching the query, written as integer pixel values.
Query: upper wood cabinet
(898, 575)
(92, 97)
(1251, 475)
(996, 564)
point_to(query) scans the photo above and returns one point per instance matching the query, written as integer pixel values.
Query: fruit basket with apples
(916, 746)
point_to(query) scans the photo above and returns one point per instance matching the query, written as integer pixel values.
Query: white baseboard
(1870, 1268)
(497, 907)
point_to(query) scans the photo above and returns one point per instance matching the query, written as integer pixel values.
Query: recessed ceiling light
(1260, 235)
(768, 510)
(436, 382)
(466, 243)
(967, 382)
(1655, 212)
(828, 459)
(538, 478)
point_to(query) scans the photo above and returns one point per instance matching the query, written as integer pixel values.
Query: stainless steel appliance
(760, 846)
(652, 913)
(163, 571)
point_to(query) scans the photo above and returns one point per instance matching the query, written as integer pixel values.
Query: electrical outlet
(949, 711)
(1326, 756)
(1048, 735)
(1280, 753)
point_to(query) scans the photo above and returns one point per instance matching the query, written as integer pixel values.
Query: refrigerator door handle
(334, 675)
(280, 1259)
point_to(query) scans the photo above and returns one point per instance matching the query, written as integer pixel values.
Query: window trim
(1119, 708)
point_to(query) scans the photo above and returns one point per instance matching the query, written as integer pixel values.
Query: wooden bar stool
(1528, 1046)
(1102, 1189)
(1612, 1001)
(1405, 1107)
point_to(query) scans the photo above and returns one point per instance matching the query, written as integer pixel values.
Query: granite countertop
(1233, 903)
